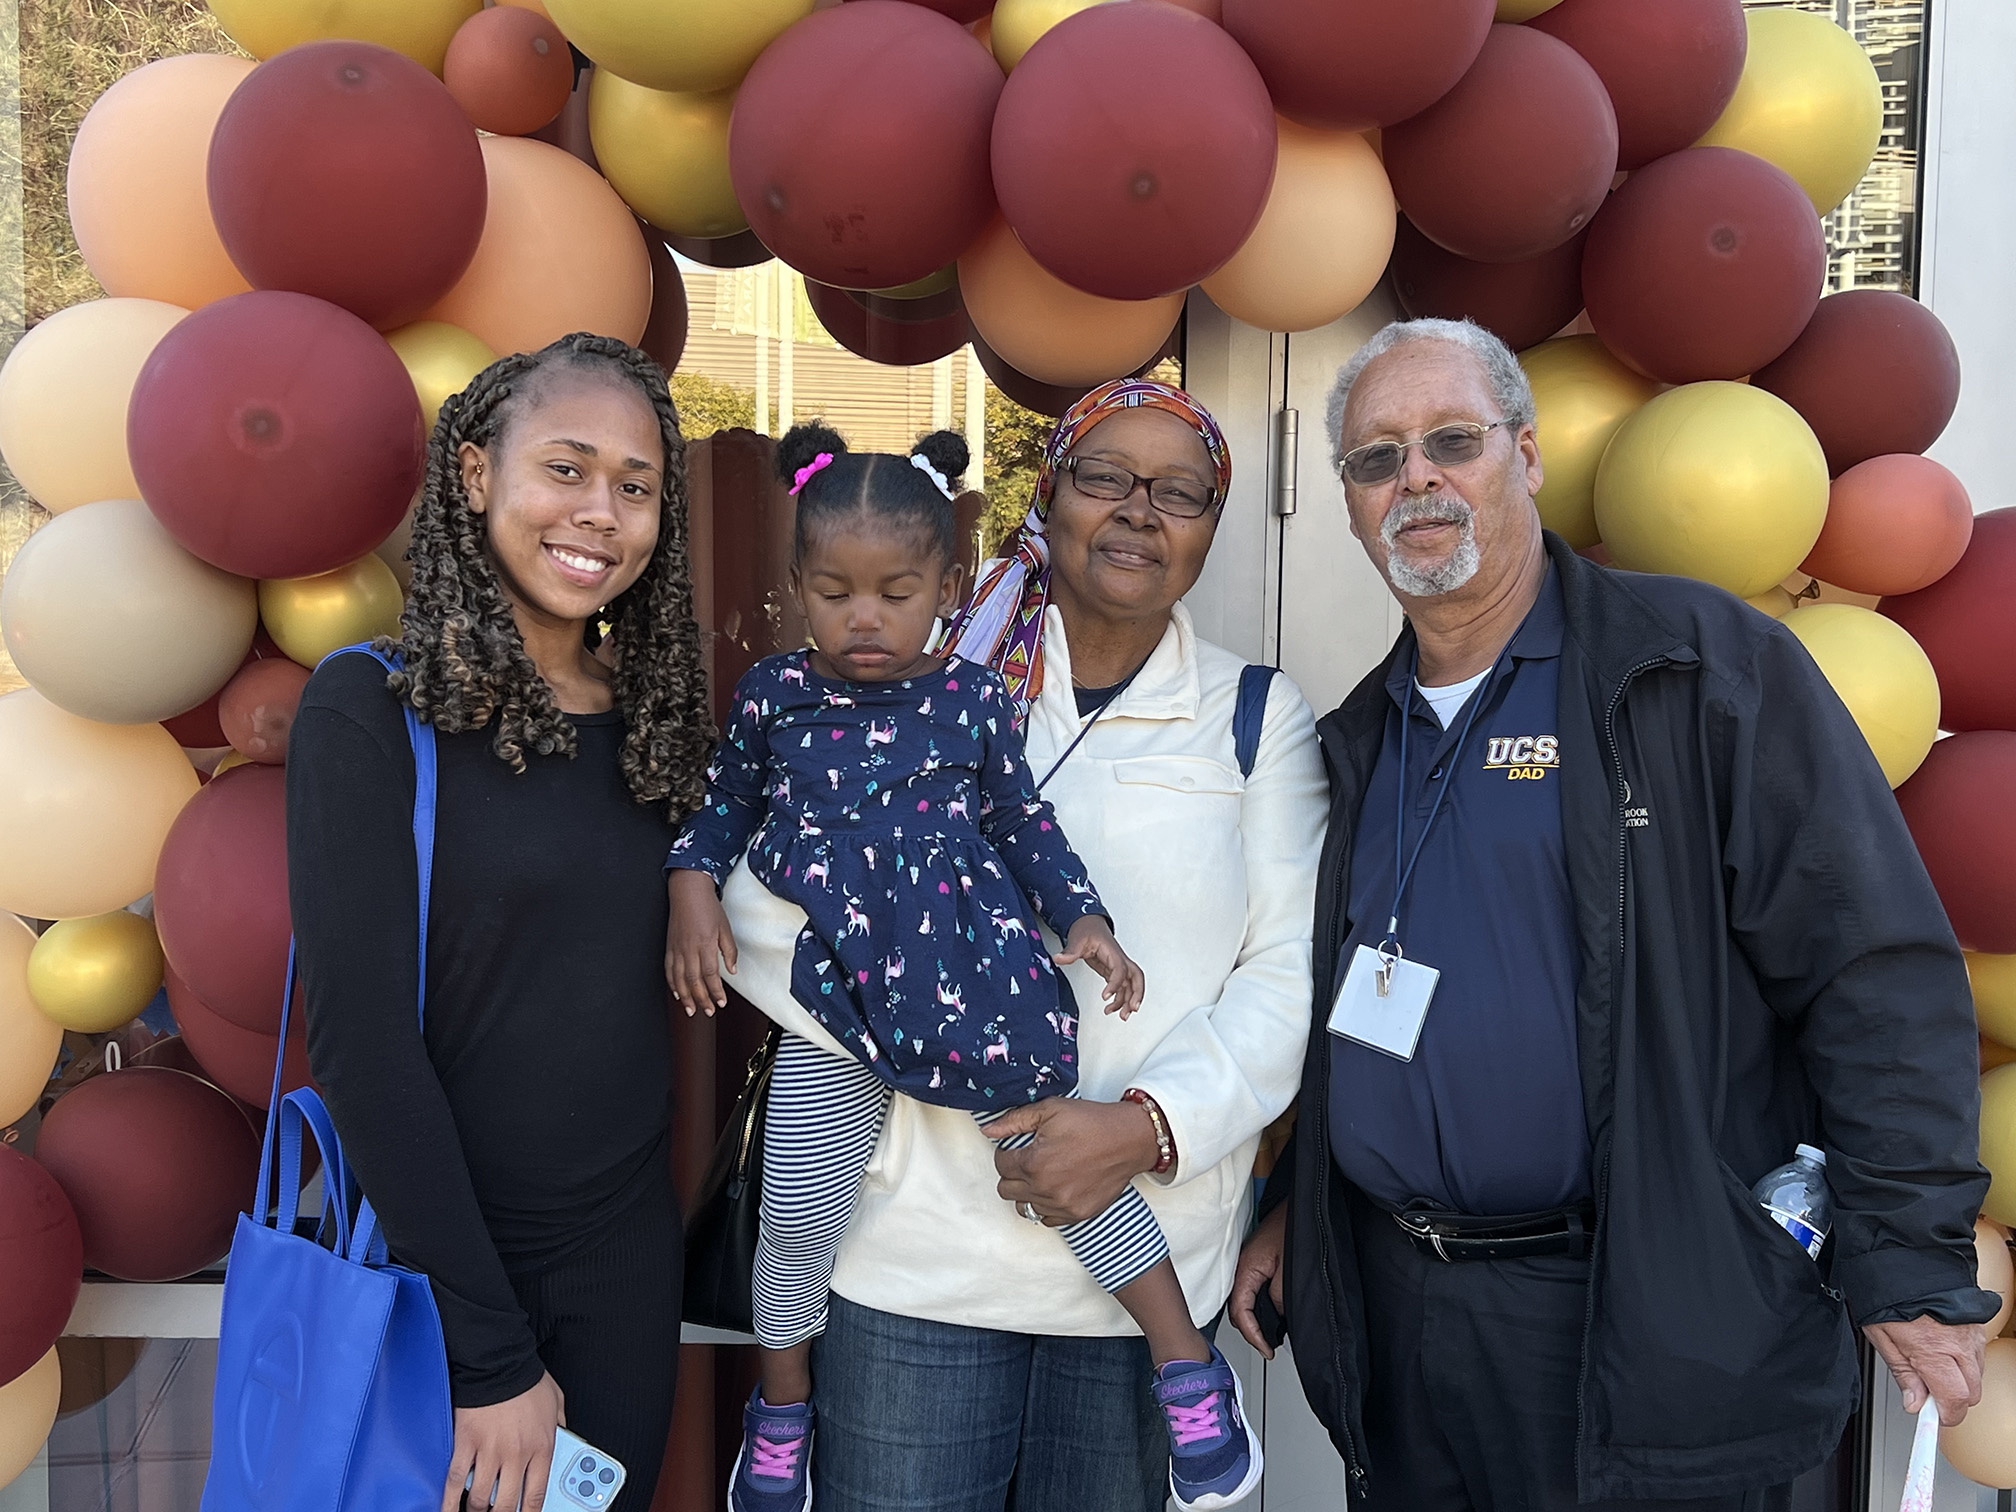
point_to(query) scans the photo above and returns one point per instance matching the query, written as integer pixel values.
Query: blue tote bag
(332, 1376)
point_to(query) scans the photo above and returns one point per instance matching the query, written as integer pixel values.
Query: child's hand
(1091, 941)
(697, 942)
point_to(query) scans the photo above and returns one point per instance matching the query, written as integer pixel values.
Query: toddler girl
(886, 795)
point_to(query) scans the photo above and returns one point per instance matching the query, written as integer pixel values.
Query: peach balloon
(1894, 525)
(85, 808)
(1983, 1448)
(1323, 239)
(1044, 328)
(28, 1406)
(421, 29)
(63, 396)
(561, 252)
(139, 199)
(1995, 1270)
(29, 1038)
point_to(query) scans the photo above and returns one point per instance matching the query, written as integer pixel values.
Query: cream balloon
(392, 552)
(1993, 978)
(1323, 240)
(1998, 1144)
(1983, 1447)
(1018, 23)
(63, 395)
(29, 1038)
(666, 153)
(310, 617)
(107, 616)
(1883, 677)
(28, 1406)
(84, 808)
(1044, 328)
(93, 975)
(421, 29)
(1582, 395)
(1995, 1270)
(440, 359)
(676, 44)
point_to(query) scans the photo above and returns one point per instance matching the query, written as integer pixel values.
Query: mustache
(1442, 508)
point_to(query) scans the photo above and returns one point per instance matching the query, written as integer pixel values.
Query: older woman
(970, 1362)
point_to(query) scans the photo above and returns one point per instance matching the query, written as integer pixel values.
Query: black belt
(1456, 1237)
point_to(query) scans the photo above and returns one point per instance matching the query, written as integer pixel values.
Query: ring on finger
(1028, 1210)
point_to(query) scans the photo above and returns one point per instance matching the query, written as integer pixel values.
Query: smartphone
(582, 1475)
(1273, 1327)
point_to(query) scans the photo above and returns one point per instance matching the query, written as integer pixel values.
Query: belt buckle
(1423, 1229)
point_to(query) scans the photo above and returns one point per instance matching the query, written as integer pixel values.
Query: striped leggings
(825, 1115)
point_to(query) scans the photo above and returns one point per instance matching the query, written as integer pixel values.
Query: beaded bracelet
(1165, 1143)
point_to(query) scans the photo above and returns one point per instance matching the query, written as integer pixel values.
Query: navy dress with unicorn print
(903, 819)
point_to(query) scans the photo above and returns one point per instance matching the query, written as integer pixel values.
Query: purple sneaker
(1214, 1457)
(772, 1472)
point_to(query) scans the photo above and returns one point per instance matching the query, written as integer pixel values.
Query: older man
(1615, 910)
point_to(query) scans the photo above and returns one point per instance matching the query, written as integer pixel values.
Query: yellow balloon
(1717, 481)
(1323, 239)
(666, 153)
(676, 44)
(93, 975)
(1998, 1143)
(312, 616)
(1983, 1447)
(1524, 10)
(1993, 978)
(1776, 602)
(28, 1406)
(1809, 101)
(440, 359)
(1018, 23)
(420, 29)
(227, 761)
(1882, 675)
(1995, 1270)
(29, 1038)
(1582, 394)
(945, 278)
(63, 395)
(84, 808)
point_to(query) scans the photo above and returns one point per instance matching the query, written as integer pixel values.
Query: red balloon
(664, 337)
(1961, 806)
(239, 1060)
(897, 343)
(509, 69)
(965, 12)
(1966, 622)
(220, 896)
(1522, 303)
(1133, 150)
(347, 171)
(158, 1166)
(1873, 373)
(1705, 265)
(42, 1257)
(859, 143)
(1515, 159)
(198, 728)
(1894, 525)
(275, 435)
(1350, 65)
(1669, 67)
(257, 708)
(742, 250)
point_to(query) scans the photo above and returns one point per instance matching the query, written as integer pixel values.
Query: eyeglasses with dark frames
(1446, 446)
(1180, 498)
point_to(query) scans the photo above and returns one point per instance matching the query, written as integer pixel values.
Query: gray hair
(1509, 388)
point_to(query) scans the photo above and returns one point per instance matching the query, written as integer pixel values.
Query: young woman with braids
(516, 1148)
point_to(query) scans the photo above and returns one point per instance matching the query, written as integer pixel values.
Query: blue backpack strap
(1249, 715)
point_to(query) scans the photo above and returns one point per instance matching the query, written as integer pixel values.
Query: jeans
(915, 1415)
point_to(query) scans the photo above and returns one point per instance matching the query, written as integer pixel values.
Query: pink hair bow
(804, 474)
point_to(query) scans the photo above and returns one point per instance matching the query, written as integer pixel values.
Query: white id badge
(1389, 1022)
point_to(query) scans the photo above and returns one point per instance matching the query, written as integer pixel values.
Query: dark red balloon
(1670, 66)
(347, 171)
(897, 343)
(1874, 373)
(220, 896)
(239, 1060)
(665, 331)
(42, 1257)
(1522, 303)
(1967, 624)
(1354, 64)
(1133, 149)
(965, 12)
(1515, 159)
(1044, 398)
(158, 1166)
(275, 435)
(742, 250)
(509, 69)
(859, 143)
(198, 728)
(1961, 806)
(1705, 265)
(256, 708)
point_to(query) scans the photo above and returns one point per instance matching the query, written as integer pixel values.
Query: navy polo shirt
(1487, 1118)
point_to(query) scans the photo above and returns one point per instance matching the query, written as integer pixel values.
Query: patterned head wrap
(1002, 624)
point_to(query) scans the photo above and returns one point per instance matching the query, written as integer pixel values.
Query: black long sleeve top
(534, 1106)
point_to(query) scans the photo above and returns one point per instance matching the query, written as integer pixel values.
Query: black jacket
(1764, 961)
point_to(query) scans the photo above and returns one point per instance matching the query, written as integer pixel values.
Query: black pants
(607, 1325)
(1471, 1404)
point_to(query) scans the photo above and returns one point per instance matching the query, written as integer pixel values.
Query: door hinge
(1286, 457)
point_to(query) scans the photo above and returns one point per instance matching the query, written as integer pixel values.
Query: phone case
(582, 1475)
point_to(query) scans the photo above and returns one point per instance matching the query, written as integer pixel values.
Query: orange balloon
(560, 253)
(1042, 327)
(1894, 525)
(139, 202)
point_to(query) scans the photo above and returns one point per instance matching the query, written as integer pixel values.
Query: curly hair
(466, 667)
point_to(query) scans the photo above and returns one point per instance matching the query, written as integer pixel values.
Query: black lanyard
(1093, 718)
